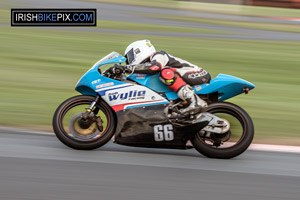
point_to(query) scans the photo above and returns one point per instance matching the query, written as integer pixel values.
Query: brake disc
(80, 133)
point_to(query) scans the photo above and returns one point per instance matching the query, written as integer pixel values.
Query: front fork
(89, 116)
(90, 109)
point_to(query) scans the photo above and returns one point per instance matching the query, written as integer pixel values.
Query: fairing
(92, 80)
(130, 95)
(117, 94)
(136, 128)
(225, 85)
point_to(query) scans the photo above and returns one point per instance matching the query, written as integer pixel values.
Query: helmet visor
(129, 56)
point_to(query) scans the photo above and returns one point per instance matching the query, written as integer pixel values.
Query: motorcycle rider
(178, 74)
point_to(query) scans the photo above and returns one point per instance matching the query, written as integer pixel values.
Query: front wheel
(70, 131)
(232, 143)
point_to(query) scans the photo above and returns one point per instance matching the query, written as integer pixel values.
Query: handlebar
(116, 74)
(118, 71)
(106, 74)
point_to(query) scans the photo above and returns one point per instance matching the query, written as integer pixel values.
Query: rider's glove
(116, 69)
(129, 69)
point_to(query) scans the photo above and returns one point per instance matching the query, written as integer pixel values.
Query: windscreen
(106, 58)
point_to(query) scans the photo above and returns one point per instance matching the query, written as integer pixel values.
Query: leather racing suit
(174, 72)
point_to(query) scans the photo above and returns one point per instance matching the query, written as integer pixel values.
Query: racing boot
(196, 104)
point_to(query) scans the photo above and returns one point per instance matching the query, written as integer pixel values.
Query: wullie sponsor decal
(132, 95)
(104, 85)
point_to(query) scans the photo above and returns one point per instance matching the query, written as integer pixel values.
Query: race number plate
(163, 132)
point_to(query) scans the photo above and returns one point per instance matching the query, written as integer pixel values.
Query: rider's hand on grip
(117, 69)
(114, 70)
(129, 68)
(107, 74)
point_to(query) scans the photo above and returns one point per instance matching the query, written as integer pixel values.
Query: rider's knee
(170, 78)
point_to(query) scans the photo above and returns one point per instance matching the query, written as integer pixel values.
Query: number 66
(163, 132)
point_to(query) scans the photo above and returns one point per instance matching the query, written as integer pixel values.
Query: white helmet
(139, 52)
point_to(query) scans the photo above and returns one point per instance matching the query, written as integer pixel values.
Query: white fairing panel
(128, 95)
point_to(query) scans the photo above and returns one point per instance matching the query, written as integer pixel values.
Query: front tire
(247, 133)
(60, 124)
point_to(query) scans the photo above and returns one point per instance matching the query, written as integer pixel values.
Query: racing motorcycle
(139, 110)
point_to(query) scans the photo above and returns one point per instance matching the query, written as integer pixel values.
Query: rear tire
(65, 138)
(247, 136)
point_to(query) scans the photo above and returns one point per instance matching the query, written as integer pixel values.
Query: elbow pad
(147, 68)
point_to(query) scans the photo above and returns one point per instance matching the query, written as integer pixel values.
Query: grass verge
(242, 24)
(116, 25)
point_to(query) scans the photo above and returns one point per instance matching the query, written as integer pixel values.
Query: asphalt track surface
(40, 167)
(146, 15)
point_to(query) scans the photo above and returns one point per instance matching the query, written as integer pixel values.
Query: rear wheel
(232, 143)
(71, 130)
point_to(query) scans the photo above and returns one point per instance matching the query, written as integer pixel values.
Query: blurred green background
(40, 67)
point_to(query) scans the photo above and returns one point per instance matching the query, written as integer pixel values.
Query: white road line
(256, 147)
(288, 18)
(275, 148)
